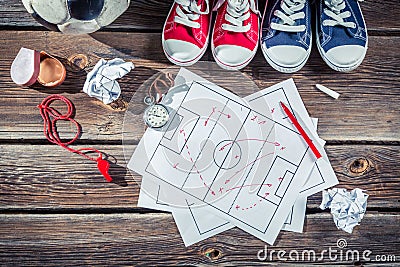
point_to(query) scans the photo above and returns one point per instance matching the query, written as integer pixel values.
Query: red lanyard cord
(51, 116)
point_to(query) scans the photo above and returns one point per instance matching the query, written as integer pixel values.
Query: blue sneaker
(286, 34)
(342, 38)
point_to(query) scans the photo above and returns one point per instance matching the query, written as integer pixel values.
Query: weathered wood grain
(366, 111)
(150, 15)
(37, 177)
(153, 239)
(44, 189)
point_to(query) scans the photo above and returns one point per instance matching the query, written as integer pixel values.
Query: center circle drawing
(227, 154)
(194, 153)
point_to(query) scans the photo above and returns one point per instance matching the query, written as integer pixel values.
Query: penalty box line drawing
(197, 224)
(319, 176)
(289, 222)
(276, 205)
(316, 165)
(176, 129)
(200, 232)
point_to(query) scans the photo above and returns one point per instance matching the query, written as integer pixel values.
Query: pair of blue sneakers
(286, 34)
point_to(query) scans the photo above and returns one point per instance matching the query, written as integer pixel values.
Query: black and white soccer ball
(76, 16)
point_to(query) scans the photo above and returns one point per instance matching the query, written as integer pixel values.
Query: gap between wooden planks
(47, 177)
(134, 239)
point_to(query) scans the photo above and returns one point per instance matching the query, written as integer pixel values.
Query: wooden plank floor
(56, 210)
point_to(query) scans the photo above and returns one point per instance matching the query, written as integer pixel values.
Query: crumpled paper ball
(101, 81)
(347, 208)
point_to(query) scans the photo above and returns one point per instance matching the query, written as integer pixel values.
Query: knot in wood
(213, 254)
(359, 166)
(79, 60)
(118, 105)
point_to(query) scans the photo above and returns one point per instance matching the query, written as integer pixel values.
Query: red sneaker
(235, 34)
(186, 31)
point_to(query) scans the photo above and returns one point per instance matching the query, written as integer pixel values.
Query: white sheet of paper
(294, 221)
(200, 224)
(242, 208)
(193, 225)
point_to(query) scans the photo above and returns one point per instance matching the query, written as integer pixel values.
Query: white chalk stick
(328, 91)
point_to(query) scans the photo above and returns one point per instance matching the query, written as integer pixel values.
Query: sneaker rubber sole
(232, 67)
(285, 69)
(341, 68)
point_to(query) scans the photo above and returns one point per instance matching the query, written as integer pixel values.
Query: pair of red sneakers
(234, 38)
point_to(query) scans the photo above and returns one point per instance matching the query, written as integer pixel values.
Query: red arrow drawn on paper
(209, 116)
(227, 115)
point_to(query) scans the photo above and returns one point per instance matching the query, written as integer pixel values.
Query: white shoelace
(237, 13)
(334, 12)
(288, 18)
(193, 12)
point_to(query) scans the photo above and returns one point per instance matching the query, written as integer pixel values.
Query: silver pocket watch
(155, 115)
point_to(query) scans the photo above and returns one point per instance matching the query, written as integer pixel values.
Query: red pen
(301, 131)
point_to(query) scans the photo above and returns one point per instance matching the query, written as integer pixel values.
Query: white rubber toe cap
(232, 55)
(287, 55)
(181, 51)
(346, 55)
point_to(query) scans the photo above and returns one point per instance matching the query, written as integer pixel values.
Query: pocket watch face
(156, 116)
